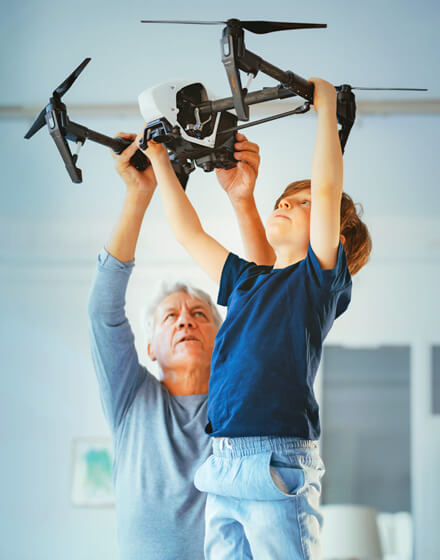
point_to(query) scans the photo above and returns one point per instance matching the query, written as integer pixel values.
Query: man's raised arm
(112, 342)
(140, 188)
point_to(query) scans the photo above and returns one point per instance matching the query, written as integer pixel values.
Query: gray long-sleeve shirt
(158, 438)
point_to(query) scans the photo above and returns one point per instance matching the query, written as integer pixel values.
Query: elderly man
(158, 427)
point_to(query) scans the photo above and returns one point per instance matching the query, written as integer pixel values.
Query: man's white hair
(164, 290)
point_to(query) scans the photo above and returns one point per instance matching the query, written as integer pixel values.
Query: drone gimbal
(198, 130)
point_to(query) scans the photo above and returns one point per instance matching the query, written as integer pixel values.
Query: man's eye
(169, 316)
(200, 313)
(306, 202)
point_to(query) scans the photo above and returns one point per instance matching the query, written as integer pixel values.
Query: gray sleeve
(112, 342)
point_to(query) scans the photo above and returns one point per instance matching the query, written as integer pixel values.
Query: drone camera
(190, 117)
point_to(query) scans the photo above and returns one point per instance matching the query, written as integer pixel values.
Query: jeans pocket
(288, 477)
(261, 477)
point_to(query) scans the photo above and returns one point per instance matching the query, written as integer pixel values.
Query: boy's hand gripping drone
(195, 129)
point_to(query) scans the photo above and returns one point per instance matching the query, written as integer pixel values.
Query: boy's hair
(357, 238)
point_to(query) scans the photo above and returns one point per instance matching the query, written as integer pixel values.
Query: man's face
(183, 334)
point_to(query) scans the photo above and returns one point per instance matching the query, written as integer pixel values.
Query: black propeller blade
(39, 122)
(262, 27)
(186, 22)
(390, 88)
(62, 88)
(259, 27)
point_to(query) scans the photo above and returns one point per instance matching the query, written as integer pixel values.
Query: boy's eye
(306, 202)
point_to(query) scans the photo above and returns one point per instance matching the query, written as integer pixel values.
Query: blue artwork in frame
(92, 484)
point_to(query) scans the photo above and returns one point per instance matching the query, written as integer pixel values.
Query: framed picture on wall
(92, 473)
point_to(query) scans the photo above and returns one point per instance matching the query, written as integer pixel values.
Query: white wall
(51, 230)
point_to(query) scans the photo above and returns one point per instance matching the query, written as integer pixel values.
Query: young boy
(263, 479)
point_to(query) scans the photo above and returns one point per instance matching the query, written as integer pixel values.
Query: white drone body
(160, 101)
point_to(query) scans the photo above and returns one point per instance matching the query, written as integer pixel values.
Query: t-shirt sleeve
(234, 269)
(334, 283)
(112, 344)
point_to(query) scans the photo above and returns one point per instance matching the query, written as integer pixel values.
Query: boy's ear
(342, 238)
(150, 352)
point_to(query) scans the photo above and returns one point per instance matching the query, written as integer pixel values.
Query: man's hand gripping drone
(195, 129)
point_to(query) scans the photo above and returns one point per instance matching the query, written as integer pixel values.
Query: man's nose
(185, 320)
(285, 204)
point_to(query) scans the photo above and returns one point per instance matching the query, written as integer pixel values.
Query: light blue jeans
(263, 499)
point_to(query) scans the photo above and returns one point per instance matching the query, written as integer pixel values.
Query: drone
(197, 129)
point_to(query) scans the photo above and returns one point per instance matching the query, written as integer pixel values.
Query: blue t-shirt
(268, 349)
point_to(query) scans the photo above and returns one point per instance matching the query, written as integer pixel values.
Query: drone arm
(265, 94)
(232, 47)
(235, 57)
(77, 132)
(297, 84)
(62, 129)
(346, 106)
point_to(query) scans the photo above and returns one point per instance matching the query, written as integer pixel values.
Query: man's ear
(342, 238)
(151, 353)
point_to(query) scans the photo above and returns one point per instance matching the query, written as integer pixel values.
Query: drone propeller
(39, 122)
(390, 88)
(68, 82)
(338, 88)
(259, 27)
(58, 93)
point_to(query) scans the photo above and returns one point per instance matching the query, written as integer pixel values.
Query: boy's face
(288, 225)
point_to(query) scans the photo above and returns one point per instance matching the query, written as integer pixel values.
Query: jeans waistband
(239, 446)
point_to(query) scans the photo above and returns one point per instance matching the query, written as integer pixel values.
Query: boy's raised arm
(182, 217)
(239, 185)
(326, 177)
